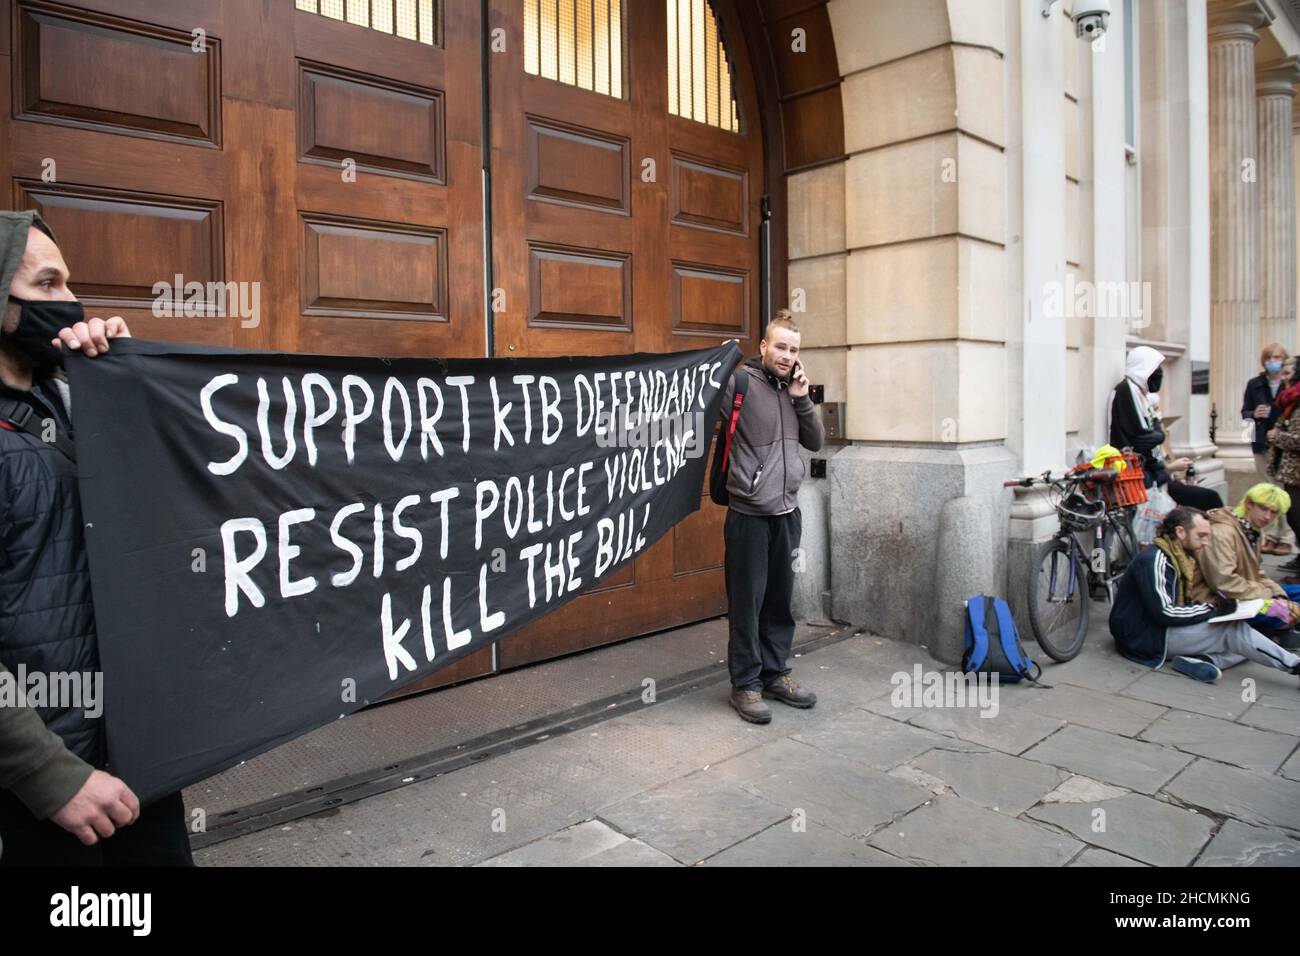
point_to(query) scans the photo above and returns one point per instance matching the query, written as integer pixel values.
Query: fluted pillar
(1234, 217)
(1275, 90)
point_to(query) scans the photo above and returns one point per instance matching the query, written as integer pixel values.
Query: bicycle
(1058, 608)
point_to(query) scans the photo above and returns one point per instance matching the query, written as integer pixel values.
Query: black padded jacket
(47, 622)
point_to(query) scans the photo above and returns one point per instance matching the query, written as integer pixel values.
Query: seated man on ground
(1154, 619)
(1230, 564)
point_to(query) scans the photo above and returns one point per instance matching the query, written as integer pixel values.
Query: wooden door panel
(142, 79)
(566, 222)
(708, 194)
(382, 125)
(664, 258)
(389, 215)
(399, 200)
(577, 166)
(709, 301)
(95, 157)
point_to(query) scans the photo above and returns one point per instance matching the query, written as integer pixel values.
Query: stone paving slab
(782, 846)
(1222, 740)
(1011, 733)
(428, 825)
(693, 818)
(872, 739)
(1128, 763)
(842, 794)
(1245, 796)
(954, 832)
(994, 780)
(460, 818)
(1221, 699)
(702, 726)
(1135, 826)
(629, 853)
(779, 755)
(1283, 697)
(873, 658)
(1081, 789)
(858, 671)
(588, 843)
(1291, 769)
(1094, 856)
(1098, 667)
(1238, 844)
(1113, 713)
(1271, 713)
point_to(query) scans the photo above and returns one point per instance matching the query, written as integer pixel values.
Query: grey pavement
(1115, 765)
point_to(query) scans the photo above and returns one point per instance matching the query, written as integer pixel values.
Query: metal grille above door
(410, 19)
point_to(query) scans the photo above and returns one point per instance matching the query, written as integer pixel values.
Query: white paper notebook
(1245, 611)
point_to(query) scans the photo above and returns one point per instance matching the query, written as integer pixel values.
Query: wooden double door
(332, 156)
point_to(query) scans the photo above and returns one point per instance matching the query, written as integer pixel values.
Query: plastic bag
(1146, 522)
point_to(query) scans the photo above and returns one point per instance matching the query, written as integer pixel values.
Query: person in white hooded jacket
(1134, 424)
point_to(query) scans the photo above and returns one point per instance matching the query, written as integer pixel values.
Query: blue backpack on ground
(993, 644)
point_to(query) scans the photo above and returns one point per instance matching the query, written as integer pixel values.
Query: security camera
(1091, 18)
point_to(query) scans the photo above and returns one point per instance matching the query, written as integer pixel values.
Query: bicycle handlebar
(1071, 477)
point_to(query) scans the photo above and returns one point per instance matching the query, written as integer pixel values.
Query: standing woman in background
(1284, 455)
(1259, 405)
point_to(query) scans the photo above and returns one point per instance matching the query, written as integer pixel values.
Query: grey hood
(14, 227)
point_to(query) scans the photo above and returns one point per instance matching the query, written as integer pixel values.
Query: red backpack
(722, 447)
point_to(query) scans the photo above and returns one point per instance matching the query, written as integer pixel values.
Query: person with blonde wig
(1229, 566)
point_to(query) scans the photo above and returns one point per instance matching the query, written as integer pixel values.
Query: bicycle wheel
(1058, 602)
(1121, 541)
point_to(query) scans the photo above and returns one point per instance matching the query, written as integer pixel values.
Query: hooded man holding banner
(56, 806)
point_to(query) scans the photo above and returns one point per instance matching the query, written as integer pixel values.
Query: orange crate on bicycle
(1129, 485)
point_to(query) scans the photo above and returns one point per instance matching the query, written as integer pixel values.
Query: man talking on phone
(764, 471)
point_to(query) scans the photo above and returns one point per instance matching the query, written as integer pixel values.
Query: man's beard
(13, 312)
(13, 356)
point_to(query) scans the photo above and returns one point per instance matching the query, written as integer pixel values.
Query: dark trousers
(1293, 516)
(158, 838)
(1194, 496)
(760, 584)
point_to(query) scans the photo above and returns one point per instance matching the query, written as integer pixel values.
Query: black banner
(277, 540)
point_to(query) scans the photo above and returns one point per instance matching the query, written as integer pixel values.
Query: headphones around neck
(777, 381)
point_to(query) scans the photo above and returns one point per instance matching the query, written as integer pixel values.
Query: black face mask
(1154, 382)
(38, 324)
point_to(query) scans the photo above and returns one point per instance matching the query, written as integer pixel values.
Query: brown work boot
(749, 704)
(787, 691)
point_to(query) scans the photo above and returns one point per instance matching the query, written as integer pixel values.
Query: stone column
(926, 303)
(1275, 90)
(1174, 164)
(1234, 218)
